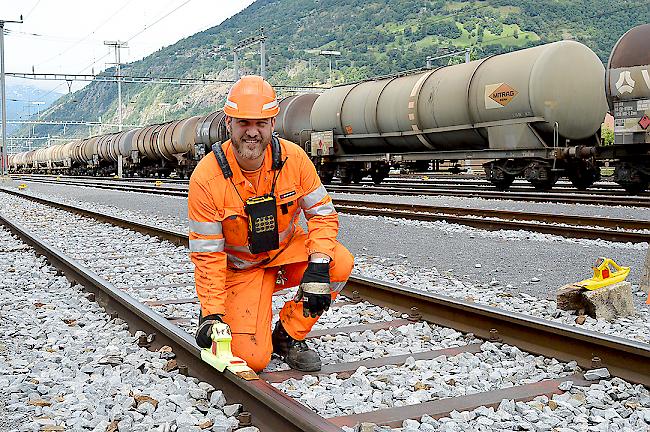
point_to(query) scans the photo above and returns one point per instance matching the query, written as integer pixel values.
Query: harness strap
(222, 160)
(276, 153)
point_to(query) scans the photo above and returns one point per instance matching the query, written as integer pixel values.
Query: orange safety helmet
(251, 98)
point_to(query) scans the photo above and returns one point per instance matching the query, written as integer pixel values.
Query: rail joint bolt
(414, 314)
(495, 336)
(596, 362)
(245, 419)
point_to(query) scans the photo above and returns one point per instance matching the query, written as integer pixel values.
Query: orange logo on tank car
(503, 94)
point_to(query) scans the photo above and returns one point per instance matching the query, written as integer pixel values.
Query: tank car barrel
(456, 107)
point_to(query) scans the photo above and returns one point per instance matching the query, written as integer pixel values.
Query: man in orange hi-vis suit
(244, 204)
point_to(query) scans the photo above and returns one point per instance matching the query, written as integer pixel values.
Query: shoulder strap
(221, 160)
(276, 153)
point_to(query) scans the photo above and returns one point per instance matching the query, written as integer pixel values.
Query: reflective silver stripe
(290, 230)
(337, 286)
(244, 249)
(205, 228)
(313, 198)
(321, 210)
(231, 104)
(207, 245)
(241, 263)
(270, 105)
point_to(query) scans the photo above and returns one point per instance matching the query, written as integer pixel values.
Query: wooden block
(570, 298)
(645, 275)
(610, 302)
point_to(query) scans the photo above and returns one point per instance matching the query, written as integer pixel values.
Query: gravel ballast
(525, 259)
(494, 269)
(124, 262)
(65, 365)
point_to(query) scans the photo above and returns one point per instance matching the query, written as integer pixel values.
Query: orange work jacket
(218, 225)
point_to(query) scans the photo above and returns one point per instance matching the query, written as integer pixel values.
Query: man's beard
(245, 152)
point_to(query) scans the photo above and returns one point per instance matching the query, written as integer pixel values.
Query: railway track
(606, 196)
(426, 180)
(272, 409)
(610, 229)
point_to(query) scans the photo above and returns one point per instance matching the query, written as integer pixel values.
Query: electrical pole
(330, 54)
(262, 53)
(236, 61)
(117, 45)
(244, 43)
(3, 149)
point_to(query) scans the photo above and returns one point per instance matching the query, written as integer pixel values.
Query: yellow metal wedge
(220, 357)
(604, 275)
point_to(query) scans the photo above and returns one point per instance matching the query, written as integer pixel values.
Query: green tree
(607, 136)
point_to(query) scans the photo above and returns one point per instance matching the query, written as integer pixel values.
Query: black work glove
(314, 290)
(204, 332)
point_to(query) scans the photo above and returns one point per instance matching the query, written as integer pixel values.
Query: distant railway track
(609, 195)
(618, 230)
(273, 410)
(569, 197)
(421, 180)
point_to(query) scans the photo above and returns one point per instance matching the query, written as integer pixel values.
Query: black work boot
(294, 352)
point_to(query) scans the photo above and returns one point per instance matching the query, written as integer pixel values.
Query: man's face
(250, 136)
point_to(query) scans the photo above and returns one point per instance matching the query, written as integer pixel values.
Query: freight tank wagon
(628, 94)
(534, 113)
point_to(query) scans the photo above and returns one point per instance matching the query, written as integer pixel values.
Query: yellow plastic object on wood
(220, 357)
(606, 272)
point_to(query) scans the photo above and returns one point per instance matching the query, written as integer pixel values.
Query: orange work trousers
(249, 305)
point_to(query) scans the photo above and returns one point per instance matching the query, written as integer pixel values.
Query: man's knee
(343, 263)
(257, 362)
(256, 357)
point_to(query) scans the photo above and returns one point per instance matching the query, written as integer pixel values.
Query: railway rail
(611, 229)
(425, 179)
(273, 409)
(607, 196)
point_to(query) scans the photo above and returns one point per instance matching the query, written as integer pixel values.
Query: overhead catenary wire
(103, 23)
(52, 38)
(32, 9)
(140, 79)
(147, 27)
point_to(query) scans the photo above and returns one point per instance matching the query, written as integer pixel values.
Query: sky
(67, 36)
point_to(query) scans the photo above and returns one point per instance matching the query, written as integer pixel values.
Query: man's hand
(204, 332)
(315, 289)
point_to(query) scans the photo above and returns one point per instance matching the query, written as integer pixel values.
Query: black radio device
(262, 210)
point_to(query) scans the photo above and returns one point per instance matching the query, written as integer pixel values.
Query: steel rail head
(162, 233)
(625, 358)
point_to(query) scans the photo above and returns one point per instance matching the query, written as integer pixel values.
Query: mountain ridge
(375, 37)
